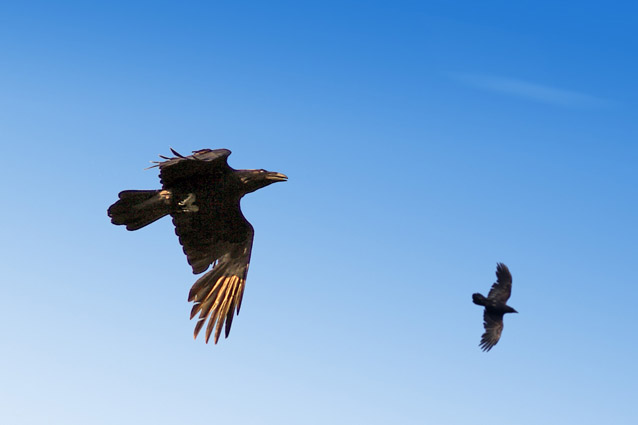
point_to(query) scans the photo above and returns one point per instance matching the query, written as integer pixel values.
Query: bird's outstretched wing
(202, 163)
(216, 234)
(212, 230)
(493, 323)
(217, 295)
(502, 288)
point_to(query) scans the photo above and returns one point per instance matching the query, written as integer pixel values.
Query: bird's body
(495, 307)
(202, 194)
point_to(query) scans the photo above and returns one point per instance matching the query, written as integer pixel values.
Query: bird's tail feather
(479, 299)
(138, 208)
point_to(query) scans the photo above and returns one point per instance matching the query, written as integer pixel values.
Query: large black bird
(202, 194)
(495, 307)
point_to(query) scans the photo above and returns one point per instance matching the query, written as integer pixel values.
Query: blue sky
(424, 143)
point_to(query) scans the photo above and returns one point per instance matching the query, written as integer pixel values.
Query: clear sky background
(424, 142)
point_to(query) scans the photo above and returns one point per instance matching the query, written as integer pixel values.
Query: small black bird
(202, 194)
(495, 307)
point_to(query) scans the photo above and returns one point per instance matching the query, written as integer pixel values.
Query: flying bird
(202, 194)
(495, 307)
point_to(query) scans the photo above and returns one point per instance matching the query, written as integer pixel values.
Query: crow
(202, 194)
(495, 307)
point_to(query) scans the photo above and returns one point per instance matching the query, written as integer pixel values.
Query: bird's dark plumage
(202, 194)
(495, 307)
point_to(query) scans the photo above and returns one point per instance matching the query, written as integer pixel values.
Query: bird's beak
(276, 177)
(515, 311)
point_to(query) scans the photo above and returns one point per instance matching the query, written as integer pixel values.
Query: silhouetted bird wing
(218, 294)
(225, 240)
(214, 231)
(204, 162)
(493, 323)
(502, 288)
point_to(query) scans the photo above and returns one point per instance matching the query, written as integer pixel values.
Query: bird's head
(256, 179)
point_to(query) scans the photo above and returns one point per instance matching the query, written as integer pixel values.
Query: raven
(202, 194)
(495, 307)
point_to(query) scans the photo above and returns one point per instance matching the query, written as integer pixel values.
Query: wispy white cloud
(531, 91)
